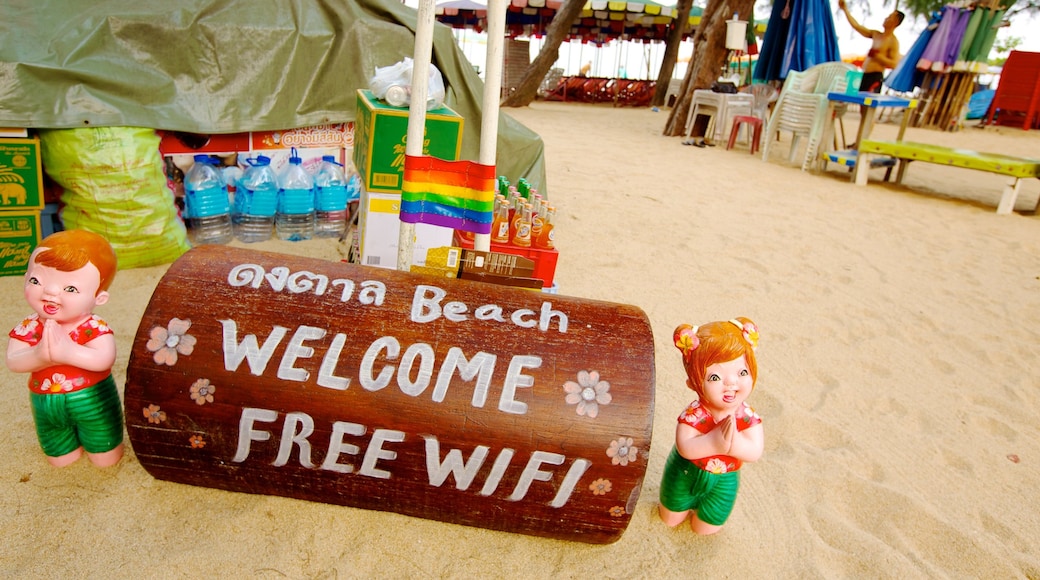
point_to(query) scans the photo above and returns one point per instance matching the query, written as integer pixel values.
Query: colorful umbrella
(600, 21)
(906, 76)
(800, 34)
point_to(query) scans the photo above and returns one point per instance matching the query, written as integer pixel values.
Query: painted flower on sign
(202, 391)
(621, 451)
(617, 511)
(167, 343)
(588, 393)
(600, 486)
(197, 442)
(154, 415)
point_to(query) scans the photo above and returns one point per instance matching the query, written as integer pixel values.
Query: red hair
(716, 342)
(70, 250)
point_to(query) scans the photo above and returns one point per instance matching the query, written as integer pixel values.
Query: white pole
(422, 55)
(492, 94)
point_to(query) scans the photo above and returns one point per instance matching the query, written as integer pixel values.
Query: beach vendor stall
(118, 72)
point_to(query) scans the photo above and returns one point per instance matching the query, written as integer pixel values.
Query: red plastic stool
(756, 134)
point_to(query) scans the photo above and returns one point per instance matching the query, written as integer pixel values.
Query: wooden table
(869, 104)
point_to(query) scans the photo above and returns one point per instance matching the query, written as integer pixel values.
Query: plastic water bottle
(294, 220)
(256, 201)
(207, 207)
(330, 194)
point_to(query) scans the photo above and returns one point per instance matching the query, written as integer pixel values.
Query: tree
(555, 34)
(926, 7)
(709, 55)
(671, 51)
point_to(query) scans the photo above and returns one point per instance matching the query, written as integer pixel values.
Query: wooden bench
(907, 151)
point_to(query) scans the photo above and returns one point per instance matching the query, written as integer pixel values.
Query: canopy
(800, 34)
(219, 66)
(600, 21)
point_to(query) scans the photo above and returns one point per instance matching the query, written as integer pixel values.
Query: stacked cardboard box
(21, 201)
(379, 150)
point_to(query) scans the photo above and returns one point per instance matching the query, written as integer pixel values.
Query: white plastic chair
(720, 108)
(803, 108)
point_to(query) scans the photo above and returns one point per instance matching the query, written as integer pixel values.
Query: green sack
(115, 186)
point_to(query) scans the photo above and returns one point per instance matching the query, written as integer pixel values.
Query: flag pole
(496, 16)
(422, 55)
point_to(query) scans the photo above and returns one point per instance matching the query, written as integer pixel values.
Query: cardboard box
(333, 135)
(21, 174)
(544, 260)
(379, 140)
(379, 223)
(180, 143)
(19, 236)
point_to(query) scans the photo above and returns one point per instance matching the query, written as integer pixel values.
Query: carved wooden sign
(445, 399)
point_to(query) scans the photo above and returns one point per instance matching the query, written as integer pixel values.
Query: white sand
(900, 329)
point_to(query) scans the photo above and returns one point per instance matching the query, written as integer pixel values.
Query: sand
(897, 383)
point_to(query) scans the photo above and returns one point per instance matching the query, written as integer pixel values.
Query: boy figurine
(69, 351)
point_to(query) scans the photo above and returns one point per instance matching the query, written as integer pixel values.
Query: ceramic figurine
(718, 432)
(69, 351)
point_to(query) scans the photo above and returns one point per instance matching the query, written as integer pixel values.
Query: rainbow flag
(453, 194)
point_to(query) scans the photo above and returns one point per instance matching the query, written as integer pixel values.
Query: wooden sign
(445, 399)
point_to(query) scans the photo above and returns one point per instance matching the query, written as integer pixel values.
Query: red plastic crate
(544, 260)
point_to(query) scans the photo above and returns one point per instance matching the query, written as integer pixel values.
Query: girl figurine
(69, 351)
(718, 432)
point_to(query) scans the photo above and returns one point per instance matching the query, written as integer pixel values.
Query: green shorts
(684, 486)
(91, 418)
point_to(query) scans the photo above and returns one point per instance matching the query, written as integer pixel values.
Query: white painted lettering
(338, 447)
(489, 312)
(532, 472)
(463, 471)
(368, 382)
(234, 352)
(427, 309)
(246, 433)
(375, 452)
(455, 311)
(291, 436)
(424, 353)
(326, 374)
(548, 314)
(497, 471)
(515, 379)
(578, 468)
(518, 318)
(295, 350)
(483, 364)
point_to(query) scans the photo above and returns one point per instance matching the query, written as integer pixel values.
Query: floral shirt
(700, 419)
(62, 378)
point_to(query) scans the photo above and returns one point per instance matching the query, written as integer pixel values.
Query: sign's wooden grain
(445, 399)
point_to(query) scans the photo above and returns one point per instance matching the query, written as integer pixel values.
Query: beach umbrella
(982, 43)
(944, 46)
(462, 14)
(800, 34)
(599, 22)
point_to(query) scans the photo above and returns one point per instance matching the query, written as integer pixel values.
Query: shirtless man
(884, 51)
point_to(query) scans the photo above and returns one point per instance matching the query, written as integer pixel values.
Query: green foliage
(924, 8)
(1002, 47)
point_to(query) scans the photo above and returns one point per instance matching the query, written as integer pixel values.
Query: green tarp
(211, 66)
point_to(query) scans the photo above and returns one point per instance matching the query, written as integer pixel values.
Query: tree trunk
(709, 55)
(557, 32)
(671, 51)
